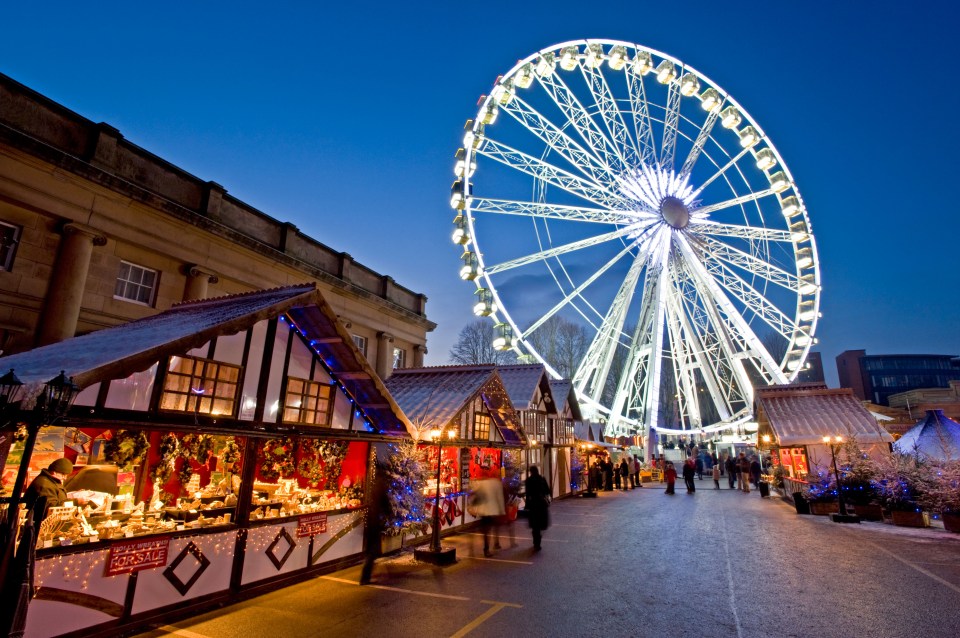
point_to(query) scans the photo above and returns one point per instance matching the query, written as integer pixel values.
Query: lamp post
(435, 553)
(843, 516)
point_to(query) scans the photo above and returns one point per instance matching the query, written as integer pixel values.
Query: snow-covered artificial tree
(406, 478)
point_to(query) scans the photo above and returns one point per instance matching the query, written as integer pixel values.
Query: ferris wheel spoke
(736, 201)
(595, 367)
(752, 233)
(684, 363)
(560, 142)
(562, 250)
(643, 125)
(556, 211)
(670, 123)
(612, 117)
(699, 143)
(581, 121)
(733, 161)
(539, 169)
(752, 264)
(712, 287)
(577, 291)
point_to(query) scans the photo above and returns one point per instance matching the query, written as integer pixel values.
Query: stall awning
(804, 414)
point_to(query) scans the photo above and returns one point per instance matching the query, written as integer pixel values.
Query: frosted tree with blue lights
(405, 481)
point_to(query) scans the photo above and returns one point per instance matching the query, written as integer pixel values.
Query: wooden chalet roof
(802, 414)
(119, 351)
(433, 396)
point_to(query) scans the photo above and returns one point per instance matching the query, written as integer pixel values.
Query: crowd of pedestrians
(741, 471)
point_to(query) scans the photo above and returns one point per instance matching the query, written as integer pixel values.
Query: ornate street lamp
(843, 516)
(435, 553)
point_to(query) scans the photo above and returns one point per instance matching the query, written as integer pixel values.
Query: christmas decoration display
(277, 459)
(230, 454)
(406, 477)
(193, 447)
(169, 451)
(309, 467)
(332, 454)
(127, 449)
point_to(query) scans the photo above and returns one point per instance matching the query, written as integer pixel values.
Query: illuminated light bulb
(749, 137)
(710, 100)
(790, 206)
(524, 77)
(618, 57)
(546, 65)
(594, 57)
(730, 118)
(643, 63)
(689, 85)
(569, 57)
(666, 72)
(765, 158)
(779, 182)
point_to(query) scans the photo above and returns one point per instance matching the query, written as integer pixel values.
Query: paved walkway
(637, 563)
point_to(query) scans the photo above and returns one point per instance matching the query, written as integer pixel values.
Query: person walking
(377, 515)
(670, 475)
(607, 475)
(537, 505)
(716, 476)
(755, 471)
(698, 464)
(616, 476)
(636, 472)
(732, 471)
(487, 504)
(624, 474)
(689, 471)
(743, 464)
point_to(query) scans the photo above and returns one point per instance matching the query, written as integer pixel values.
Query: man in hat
(48, 484)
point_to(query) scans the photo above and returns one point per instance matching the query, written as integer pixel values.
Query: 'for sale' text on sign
(133, 556)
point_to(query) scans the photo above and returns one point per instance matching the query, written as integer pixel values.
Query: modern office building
(875, 377)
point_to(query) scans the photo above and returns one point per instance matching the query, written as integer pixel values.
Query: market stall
(220, 446)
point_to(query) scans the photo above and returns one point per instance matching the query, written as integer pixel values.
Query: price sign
(311, 525)
(134, 556)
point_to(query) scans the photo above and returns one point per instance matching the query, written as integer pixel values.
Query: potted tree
(859, 472)
(821, 494)
(943, 493)
(408, 508)
(902, 486)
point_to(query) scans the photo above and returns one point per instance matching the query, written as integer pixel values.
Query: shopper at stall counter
(48, 484)
(537, 504)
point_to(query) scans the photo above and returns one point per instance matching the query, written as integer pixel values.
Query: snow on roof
(937, 437)
(521, 382)
(119, 351)
(803, 415)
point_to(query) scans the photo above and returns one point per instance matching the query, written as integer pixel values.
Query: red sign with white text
(311, 525)
(133, 556)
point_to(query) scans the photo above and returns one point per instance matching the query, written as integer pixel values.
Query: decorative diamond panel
(200, 563)
(282, 536)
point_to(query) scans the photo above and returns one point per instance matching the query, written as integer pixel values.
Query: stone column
(197, 282)
(67, 283)
(419, 350)
(384, 354)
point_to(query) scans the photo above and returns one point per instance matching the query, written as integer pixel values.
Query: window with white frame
(9, 239)
(361, 344)
(136, 283)
(399, 358)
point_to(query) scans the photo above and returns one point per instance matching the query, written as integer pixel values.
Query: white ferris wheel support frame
(705, 282)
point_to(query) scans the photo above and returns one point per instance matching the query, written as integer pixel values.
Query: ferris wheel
(613, 188)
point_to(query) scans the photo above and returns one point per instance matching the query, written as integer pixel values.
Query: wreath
(126, 448)
(169, 448)
(193, 446)
(332, 454)
(309, 467)
(230, 452)
(277, 459)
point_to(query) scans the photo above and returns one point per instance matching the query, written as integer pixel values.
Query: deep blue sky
(344, 120)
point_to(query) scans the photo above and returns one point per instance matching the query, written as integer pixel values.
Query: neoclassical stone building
(96, 231)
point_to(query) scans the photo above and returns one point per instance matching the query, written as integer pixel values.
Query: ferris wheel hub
(674, 212)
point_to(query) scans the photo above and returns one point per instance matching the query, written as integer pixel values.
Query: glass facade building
(875, 377)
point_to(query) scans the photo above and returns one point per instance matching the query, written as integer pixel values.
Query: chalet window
(308, 402)
(136, 283)
(200, 385)
(9, 239)
(481, 427)
(399, 358)
(361, 344)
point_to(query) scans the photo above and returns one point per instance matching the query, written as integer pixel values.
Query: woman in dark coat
(689, 471)
(537, 504)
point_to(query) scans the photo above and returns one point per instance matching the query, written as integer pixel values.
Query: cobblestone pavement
(639, 563)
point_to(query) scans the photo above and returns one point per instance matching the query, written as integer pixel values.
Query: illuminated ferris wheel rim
(674, 206)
